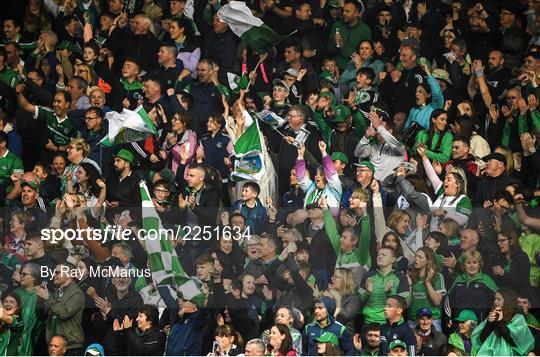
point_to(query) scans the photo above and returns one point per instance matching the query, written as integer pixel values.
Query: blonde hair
(472, 255)
(396, 216)
(81, 144)
(361, 194)
(461, 180)
(348, 283)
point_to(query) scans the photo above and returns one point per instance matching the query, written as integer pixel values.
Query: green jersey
(420, 297)
(375, 302)
(359, 257)
(9, 163)
(9, 77)
(61, 131)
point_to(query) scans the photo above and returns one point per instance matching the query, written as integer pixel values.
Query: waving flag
(248, 149)
(249, 28)
(164, 263)
(271, 118)
(128, 126)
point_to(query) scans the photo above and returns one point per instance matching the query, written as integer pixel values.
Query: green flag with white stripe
(164, 263)
(128, 126)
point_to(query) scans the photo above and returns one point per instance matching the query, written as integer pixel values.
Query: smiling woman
(12, 324)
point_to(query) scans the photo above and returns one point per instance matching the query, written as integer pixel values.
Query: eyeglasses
(501, 241)
(23, 274)
(161, 191)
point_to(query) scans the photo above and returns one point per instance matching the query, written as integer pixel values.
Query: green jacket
(352, 36)
(9, 77)
(65, 315)
(32, 327)
(358, 123)
(8, 164)
(495, 345)
(10, 337)
(444, 153)
(456, 340)
(530, 243)
(359, 257)
(375, 302)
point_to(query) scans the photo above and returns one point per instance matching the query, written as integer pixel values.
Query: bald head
(469, 239)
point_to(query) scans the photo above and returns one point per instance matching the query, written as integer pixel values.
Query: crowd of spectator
(397, 213)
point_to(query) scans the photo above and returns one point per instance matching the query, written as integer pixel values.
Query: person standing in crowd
(65, 309)
(112, 133)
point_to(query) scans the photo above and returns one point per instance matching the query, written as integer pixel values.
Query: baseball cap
(280, 83)
(65, 44)
(291, 72)
(329, 95)
(466, 315)
(341, 114)
(441, 74)
(510, 7)
(334, 3)
(397, 343)
(338, 155)
(328, 337)
(424, 311)
(34, 186)
(367, 164)
(495, 156)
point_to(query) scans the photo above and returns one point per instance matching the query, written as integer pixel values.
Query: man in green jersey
(380, 284)
(61, 129)
(9, 162)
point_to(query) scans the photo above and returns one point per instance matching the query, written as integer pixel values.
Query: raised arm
(22, 101)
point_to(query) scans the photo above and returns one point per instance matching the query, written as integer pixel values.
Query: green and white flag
(249, 28)
(248, 151)
(237, 82)
(128, 126)
(164, 263)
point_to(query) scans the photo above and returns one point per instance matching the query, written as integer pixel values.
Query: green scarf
(506, 134)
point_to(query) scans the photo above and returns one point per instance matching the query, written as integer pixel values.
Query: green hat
(328, 337)
(466, 315)
(65, 44)
(397, 343)
(338, 155)
(334, 3)
(126, 155)
(341, 113)
(367, 164)
(330, 95)
(32, 185)
(441, 74)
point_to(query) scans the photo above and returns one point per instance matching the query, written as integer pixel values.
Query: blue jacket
(215, 150)
(421, 114)
(255, 217)
(187, 332)
(314, 330)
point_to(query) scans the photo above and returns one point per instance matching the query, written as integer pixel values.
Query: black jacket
(147, 343)
(488, 186)
(432, 344)
(401, 331)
